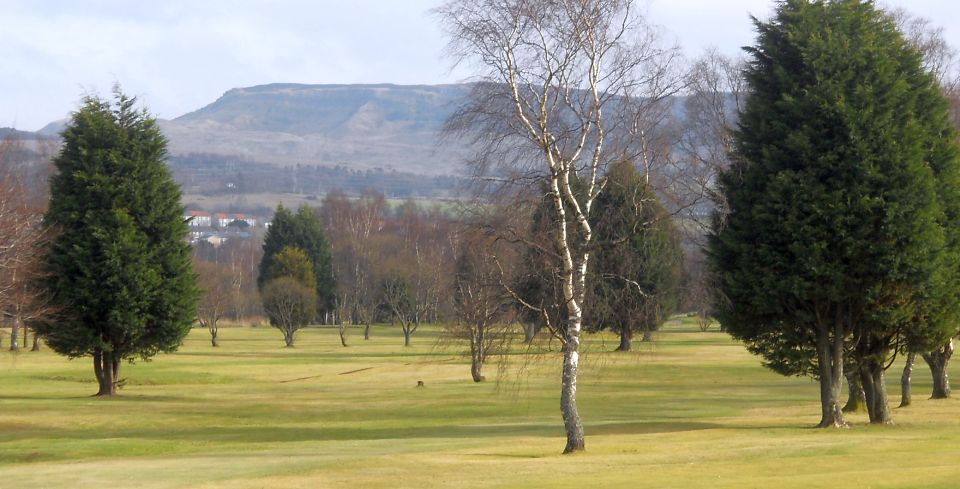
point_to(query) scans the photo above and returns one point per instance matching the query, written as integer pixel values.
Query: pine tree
(639, 269)
(841, 197)
(302, 230)
(118, 269)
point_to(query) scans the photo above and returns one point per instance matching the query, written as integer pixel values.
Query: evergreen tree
(639, 271)
(302, 230)
(841, 198)
(118, 269)
(293, 262)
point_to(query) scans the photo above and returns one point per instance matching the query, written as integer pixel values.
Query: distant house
(222, 219)
(198, 219)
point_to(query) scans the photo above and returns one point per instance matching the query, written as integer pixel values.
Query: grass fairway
(694, 410)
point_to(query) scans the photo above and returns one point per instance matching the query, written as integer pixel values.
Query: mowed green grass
(693, 410)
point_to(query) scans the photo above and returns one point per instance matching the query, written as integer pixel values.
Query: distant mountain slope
(357, 126)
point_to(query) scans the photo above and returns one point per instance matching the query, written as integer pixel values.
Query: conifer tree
(118, 270)
(842, 198)
(640, 267)
(302, 230)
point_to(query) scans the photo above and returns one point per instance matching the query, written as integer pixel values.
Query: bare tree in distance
(716, 91)
(715, 94)
(22, 238)
(484, 310)
(562, 89)
(217, 284)
(939, 57)
(290, 305)
(352, 225)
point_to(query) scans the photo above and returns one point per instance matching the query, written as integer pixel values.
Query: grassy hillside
(360, 127)
(693, 410)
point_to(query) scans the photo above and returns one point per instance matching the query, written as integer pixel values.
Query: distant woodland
(212, 174)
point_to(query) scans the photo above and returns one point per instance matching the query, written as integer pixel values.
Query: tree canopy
(118, 269)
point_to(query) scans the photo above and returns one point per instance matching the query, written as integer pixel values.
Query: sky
(180, 55)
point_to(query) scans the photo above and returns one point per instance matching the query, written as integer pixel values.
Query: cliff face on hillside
(356, 126)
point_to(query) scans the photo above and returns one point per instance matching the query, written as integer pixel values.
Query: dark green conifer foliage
(842, 198)
(302, 230)
(119, 270)
(638, 273)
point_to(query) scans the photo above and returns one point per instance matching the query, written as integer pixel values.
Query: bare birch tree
(562, 87)
(352, 226)
(22, 239)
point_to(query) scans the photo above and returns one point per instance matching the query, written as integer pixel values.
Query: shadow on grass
(650, 428)
(267, 434)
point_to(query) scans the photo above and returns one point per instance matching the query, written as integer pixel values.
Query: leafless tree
(22, 240)
(290, 305)
(939, 57)
(716, 92)
(484, 310)
(564, 89)
(217, 284)
(352, 226)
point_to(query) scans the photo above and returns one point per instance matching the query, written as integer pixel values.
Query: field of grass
(694, 410)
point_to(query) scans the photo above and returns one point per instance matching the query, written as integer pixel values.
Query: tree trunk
(830, 360)
(477, 356)
(529, 332)
(288, 338)
(938, 360)
(106, 371)
(406, 337)
(214, 339)
(905, 393)
(36, 342)
(342, 329)
(568, 390)
(856, 398)
(116, 374)
(626, 339)
(475, 370)
(366, 331)
(15, 332)
(873, 378)
(647, 336)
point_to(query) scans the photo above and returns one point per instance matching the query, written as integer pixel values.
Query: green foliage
(119, 269)
(637, 273)
(302, 230)
(842, 196)
(293, 262)
(239, 224)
